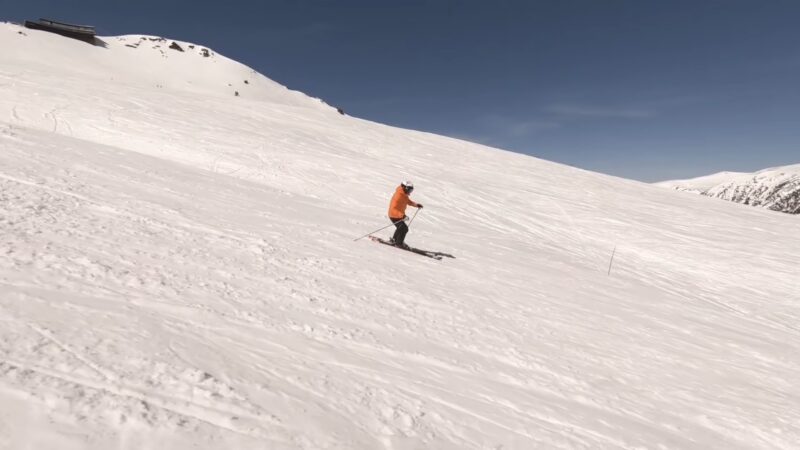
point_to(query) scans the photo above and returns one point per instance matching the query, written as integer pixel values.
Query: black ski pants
(400, 233)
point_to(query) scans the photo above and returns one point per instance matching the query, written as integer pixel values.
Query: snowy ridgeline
(179, 271)
(777, 189)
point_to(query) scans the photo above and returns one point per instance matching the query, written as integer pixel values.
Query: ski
(408, 249)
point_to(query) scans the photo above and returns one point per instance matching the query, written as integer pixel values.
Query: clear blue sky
(642, 89)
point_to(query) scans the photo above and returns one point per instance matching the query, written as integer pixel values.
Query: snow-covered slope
(146, 62)
(777, 188)
(178, 270)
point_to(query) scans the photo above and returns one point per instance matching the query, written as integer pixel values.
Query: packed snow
(179, 271)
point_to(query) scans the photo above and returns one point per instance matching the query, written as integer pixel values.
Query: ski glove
(419, 205)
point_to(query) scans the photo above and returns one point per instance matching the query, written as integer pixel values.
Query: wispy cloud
(529, 127)
(483, 140)
(517, 127)
(573, 111)
(286, 35)
(496, 130)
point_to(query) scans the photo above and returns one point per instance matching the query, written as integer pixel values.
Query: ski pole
(387, 226)
(412, 218)
(379, 229)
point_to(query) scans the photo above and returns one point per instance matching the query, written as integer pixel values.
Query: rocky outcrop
(779, 192)
(777, 189)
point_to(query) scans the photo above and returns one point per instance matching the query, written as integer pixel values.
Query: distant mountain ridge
(777, 188)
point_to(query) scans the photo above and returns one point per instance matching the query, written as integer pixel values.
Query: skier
(397, 212)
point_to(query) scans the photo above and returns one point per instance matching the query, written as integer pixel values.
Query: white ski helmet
(407, 186)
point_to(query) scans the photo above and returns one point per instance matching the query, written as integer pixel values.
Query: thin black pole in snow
(612, 260)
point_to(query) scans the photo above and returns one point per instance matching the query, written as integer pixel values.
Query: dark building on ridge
(81, 32)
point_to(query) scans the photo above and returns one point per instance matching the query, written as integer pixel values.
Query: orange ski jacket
(400, 200)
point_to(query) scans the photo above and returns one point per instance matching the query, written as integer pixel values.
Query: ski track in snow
(178, 271)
